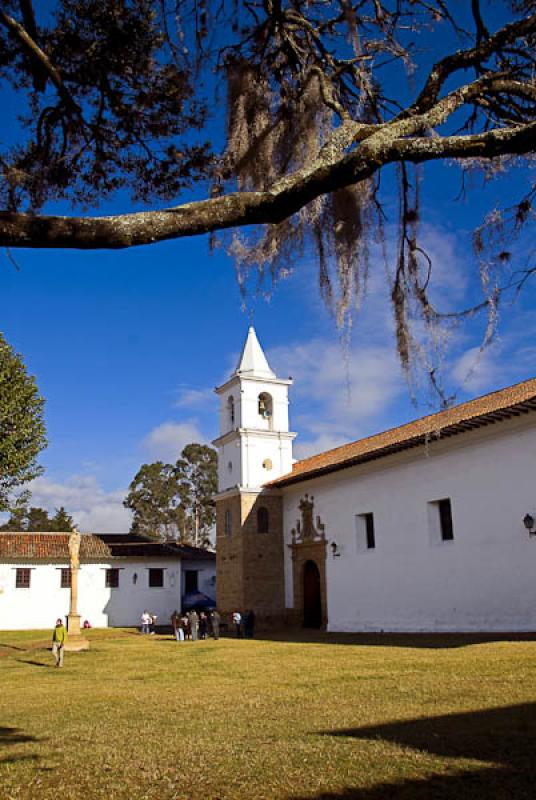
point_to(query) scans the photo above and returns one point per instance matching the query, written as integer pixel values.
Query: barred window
(65, 578)
(22, 578)
(111, 580)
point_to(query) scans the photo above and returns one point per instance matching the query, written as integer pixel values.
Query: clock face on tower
(267, 463)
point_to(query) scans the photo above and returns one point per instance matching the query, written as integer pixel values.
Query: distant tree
(61, 521)
(36, 519)
(197, 472)
(154, 499)
(176, 501)
(22, 429)
(18, 513)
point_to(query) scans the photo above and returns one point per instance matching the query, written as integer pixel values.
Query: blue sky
(127, 346)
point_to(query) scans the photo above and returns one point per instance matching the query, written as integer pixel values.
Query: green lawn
(337, 717)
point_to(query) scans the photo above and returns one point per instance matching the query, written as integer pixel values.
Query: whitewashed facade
(412, 580)
(44, 600)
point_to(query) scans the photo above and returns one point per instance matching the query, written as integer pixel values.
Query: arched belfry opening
(312, 595)
(231, 416)
(265, 408)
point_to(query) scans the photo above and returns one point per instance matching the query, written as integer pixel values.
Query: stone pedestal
(75, 641)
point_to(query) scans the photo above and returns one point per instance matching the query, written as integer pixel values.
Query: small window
(191, 582)
(365, 535)
(440, 521)
(445, 520)
(65, 578)
(231, 409)
(23, 578)
(228, 522)
(112, 578)
(263, 520)
(156, 578)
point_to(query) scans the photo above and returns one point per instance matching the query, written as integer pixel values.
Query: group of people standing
(194, 626)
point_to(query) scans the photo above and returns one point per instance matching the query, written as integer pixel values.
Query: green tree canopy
(176, 501)
(22, 428)
(33, 518)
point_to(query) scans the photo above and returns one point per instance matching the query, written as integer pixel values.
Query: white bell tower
(254, 445)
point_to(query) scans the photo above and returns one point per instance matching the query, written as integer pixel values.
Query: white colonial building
(119, 577)
(430, 526)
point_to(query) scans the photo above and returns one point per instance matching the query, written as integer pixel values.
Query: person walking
(215, 620)
(237, 622)
(59, 637)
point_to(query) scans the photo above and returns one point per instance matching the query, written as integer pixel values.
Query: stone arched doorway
(312, 596)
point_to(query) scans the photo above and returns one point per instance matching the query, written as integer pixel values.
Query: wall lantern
(335, 550)
(530, 524)
(135, 578)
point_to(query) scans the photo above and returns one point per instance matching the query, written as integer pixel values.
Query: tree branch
(36, 54)
(251, 208)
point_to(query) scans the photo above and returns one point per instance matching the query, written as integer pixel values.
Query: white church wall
(229, 465)
(39, 606)
(412, 580)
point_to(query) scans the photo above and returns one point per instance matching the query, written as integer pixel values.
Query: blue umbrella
(197, 600)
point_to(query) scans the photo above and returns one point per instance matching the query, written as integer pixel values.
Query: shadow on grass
(32, 663)
(10, 737)
(486, 784)
(437, 641)
(14, 736)
(504, 737)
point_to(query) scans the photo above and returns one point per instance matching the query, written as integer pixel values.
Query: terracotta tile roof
(49, 547)
(486, 410)
(93, 547)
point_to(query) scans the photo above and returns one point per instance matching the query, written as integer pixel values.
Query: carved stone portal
(305, 530)
(309, 561)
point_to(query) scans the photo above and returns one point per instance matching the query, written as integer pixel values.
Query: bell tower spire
(255, 444)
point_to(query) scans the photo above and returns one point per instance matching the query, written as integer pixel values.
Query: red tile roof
(486, 410)
(50, 547)
(93, 547)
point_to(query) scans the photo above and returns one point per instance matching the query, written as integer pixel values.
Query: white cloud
(193, 398)
(91, 506)
(478, 369)
(166, 441)
(337, 395)
(319, 445)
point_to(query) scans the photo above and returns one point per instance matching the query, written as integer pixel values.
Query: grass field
(332, 717)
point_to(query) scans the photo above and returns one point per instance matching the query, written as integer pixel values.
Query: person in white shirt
(146, 621)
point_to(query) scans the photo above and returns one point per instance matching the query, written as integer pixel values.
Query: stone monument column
(75, 640)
